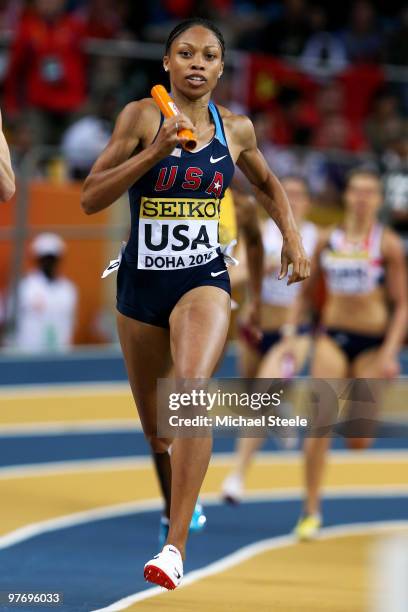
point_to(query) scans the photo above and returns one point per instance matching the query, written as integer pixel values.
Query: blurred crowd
(325, 83)
(315, 81)
(348, 31)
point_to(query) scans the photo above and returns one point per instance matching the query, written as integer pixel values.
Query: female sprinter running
(364, 270)
(173, 296)
(281, 341)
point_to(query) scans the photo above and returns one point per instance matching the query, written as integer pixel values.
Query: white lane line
(343, 456)
(247, 552)
(281, 458)
(212, 499)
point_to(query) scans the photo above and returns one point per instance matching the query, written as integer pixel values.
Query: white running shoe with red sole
(165, 569)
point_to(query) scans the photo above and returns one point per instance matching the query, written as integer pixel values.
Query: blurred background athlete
(364, 316)
(173, 295)
(282, 349)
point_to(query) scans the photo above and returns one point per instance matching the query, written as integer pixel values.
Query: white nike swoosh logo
(218, 273)
(217, 159)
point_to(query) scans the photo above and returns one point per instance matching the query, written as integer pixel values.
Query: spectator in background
(292, 113)
(363, 40)
(395, 163)
(134, 17)
(101, 19)
(335, 130)
(45, 302)
(324, 54)
(298, 160)
(397, 44)
(178, 9)
(183, 9)
(10, 12)
(397, 53)
(384, 121)
(46, 74)
(85, 139)
(283, 36)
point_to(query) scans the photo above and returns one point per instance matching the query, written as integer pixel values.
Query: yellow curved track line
(35, 498)
(331, 575)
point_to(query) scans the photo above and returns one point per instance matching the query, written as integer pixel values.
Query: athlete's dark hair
(190, 23)
(299, 179)
(363, 171)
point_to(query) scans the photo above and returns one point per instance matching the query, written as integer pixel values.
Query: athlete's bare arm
(7, 180)
(269, 192)
(249, 226)
(115, 170)
(397, 293)
(304, 300)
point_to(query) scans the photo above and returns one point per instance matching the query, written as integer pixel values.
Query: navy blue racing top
(175, 206)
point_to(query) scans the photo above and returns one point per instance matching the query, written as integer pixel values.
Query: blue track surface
(97, 563)
(81, 366)
(84, 365)
(71, 447)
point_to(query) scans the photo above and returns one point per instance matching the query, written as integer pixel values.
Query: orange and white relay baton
(169, 109)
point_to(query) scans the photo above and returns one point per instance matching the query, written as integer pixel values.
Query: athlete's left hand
(388, 365)
(294, 253)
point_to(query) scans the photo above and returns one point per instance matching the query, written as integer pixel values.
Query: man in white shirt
(46, 302)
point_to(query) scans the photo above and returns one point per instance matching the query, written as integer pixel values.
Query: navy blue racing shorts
(353, 344)
(150, 295)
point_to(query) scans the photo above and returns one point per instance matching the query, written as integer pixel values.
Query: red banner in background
(360, 82)
(268, 76)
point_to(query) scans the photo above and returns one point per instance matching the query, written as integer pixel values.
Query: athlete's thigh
(198, 331)
(146, 350)
(271, 365)
(367, 365)
(328, 359)
(362, 415)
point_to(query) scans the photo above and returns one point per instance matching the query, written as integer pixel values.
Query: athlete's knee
(190, 375)
(316, 444)
(158, 445)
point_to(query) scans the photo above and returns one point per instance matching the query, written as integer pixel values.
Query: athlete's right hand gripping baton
(169, 109)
